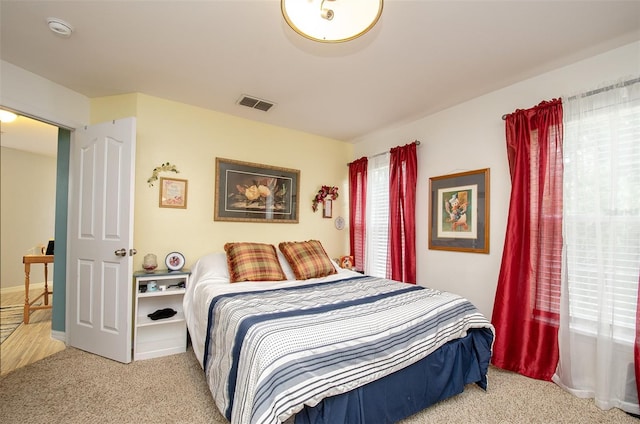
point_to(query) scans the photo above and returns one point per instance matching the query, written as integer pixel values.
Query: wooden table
(27, 260)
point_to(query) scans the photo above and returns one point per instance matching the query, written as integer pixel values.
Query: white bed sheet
(210, 278)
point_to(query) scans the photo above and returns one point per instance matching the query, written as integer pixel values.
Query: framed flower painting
(252, 192)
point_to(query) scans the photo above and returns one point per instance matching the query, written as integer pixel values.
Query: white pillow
(288, 271)
(213, 265)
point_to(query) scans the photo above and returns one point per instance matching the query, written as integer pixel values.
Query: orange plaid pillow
(308, 259)
(253, 262)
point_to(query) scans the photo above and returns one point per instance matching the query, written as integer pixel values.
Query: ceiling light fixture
(60, 27)
(331, 21)
(6, 116)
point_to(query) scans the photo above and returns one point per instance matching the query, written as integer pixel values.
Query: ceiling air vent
(255, 103)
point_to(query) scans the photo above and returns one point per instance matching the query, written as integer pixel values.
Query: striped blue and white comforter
(268, 353)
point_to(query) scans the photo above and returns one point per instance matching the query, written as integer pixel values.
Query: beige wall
(191, 138)
(27, 203)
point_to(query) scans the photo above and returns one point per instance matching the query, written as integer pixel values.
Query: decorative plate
(339, 223)
(174, 261)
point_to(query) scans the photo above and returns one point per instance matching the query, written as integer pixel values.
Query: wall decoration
(251, 192)
(327, 209)
(173, 193)
(324, 193)
(459, 212)
(165, 167)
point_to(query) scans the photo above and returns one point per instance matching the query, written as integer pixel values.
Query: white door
(99, 271)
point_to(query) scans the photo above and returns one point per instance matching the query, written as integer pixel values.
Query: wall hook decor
(323, 193)
(165, 167)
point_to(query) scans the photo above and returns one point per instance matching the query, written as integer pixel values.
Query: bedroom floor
(28, 343)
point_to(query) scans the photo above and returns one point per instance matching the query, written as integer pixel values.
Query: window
(377, 216)
(546, 231)
(602, 210)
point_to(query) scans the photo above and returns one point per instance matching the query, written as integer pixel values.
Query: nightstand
(165, 336)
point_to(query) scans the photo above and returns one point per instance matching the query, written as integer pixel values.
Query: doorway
(29, 153)
(29, 163)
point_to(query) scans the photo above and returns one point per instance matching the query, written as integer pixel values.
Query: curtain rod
(598, 91)
(384, 153)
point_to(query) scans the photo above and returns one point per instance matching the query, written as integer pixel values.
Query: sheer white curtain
(377, 216)
(601, 255)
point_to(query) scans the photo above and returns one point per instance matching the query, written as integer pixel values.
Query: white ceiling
(422, 57)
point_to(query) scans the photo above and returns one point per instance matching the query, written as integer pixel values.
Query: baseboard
(59, 335)
(20, 288)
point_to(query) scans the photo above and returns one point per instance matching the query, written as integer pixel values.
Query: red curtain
(403, 173)
(526, 308)
(357, 208)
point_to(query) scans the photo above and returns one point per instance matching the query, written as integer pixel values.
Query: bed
(333, 347)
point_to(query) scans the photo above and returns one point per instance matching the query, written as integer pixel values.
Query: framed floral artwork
(252, 192)
(459, 212)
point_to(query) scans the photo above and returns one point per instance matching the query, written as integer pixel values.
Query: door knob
(121, 252)
(132, 252)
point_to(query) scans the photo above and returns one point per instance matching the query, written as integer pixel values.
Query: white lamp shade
(351, 18)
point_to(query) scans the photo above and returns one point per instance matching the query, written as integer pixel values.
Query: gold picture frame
(459, 212)
(173, 193)
(253, 192)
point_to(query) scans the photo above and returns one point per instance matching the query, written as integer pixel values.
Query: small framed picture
(173, 193)
(346, 262)
(174, 261)
(327, 208)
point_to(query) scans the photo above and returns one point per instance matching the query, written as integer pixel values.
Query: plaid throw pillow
(253, 262)
(308, 259)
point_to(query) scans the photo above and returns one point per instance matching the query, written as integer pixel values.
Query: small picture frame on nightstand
(174, 261)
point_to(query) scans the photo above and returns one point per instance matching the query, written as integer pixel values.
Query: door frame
(62, 199)
(59, 299)
(38, 98)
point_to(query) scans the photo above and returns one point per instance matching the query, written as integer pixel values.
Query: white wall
(471, 136)
(465, 137)
(27, 203)
(34, 96)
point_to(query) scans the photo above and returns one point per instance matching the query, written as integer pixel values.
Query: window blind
(377, 216)
(602, 215)
(546, 225)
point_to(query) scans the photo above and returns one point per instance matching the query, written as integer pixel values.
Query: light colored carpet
(73, 386)
(10, 318)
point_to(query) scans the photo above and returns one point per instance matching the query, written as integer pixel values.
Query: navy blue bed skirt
(440, 375)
